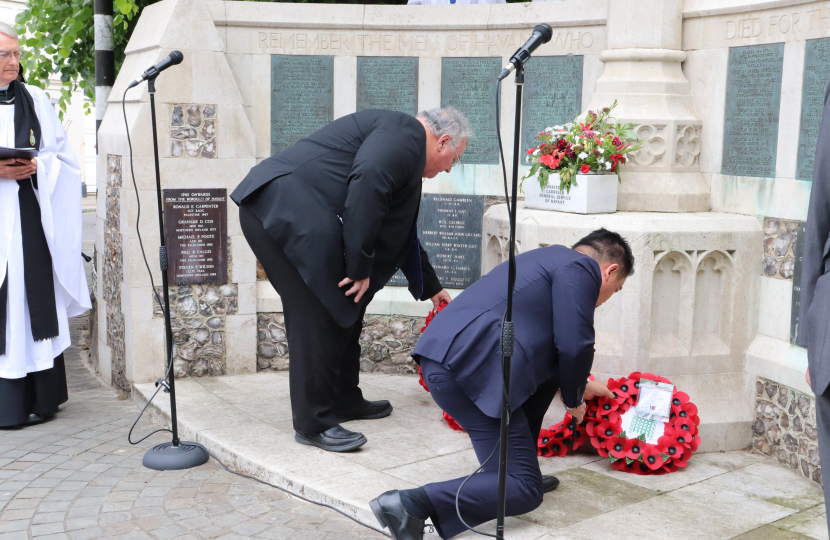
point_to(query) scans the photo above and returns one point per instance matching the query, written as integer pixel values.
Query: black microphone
(174, 58)
(541, 34)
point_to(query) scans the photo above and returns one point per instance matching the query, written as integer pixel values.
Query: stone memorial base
(686, 313)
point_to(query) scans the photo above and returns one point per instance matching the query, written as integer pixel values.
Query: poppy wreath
(602, 425)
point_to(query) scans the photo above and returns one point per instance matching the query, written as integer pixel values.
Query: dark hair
(610, 247)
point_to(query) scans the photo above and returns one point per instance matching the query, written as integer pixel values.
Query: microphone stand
(177, 454)
(507, 334)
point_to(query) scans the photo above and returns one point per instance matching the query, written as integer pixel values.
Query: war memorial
(726, 97)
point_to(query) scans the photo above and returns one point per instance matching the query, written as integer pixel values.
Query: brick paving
(76, 477)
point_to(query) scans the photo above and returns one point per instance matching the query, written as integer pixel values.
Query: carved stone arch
(493, 253)
(712, 326)
(672, 300)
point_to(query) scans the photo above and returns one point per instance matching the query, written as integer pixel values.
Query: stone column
(643, 73)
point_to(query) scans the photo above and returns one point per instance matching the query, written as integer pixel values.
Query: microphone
(541, 34)
(174, 58)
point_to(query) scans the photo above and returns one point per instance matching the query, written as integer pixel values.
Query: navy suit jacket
(553, 312)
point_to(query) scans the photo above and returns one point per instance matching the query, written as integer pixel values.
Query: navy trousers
(479, 498)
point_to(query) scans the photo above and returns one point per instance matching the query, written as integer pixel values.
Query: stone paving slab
(245, 420)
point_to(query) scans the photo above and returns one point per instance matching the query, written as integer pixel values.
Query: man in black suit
(331, 219)
(814, 313)
(557, 290)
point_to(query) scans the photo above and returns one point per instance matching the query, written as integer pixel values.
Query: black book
(19, 153)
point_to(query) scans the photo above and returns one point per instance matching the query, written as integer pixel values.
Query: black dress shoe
(390, 513)
(367, 410)
(549, 483)
(336, 439)
(34, 418)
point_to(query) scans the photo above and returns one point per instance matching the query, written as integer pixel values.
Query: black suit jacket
(553, 310)
(344, 202)
(815, 290)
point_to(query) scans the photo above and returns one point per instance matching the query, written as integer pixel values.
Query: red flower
(599, 141)
(684, 424)
(617, 142)
(558, 448)
(607, 405)
(669, 446)
(563, 144)
(605, 429)
(551, 160)
(544, 437)
(684, 438)
(452, 423)
(680, 398)
(612, 417)
(619, 465)
(620, 388)
(530, 151)
(433, 313)
(652, 457)
(695, 443)
(633, 448)
(670, 466)
(421, 379)
(616, 447)
(585, 168)
(683, 460)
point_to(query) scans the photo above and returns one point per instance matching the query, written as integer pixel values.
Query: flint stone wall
(785, 427)
(198, 315)
(386, 343)
(112, 274)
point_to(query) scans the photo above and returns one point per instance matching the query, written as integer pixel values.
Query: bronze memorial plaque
(196, 232)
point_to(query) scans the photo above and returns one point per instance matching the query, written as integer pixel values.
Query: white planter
(593, 194)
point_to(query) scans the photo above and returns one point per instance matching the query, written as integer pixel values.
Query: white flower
(557, 128)
(608, 165)
(536, 152)
(601, 150)
(583, 155)
(601, 160)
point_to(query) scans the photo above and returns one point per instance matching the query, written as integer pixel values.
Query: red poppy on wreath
(616, 447)
(607, 405)
(683, 424)
(669, 446)
(452, 423)
(652, 457)
(633, 448)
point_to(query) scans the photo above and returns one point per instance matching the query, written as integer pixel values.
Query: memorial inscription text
(389, 83)
(552, 94)
(302, 97)
(816, 75)
(753, 100)
(196, 233)
(469, 84)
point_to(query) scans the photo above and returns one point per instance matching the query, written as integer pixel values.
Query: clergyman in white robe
(59, 197)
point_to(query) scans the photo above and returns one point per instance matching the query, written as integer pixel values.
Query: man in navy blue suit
(557, 290)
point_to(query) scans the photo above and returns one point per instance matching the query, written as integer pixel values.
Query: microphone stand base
(166, 457)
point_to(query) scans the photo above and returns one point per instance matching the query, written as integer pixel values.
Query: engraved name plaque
(302, 97)
(196, 233)
(389, 83)
(753, 100)
(469, 84)
(449, 227)
(816, 75)
(552, 94)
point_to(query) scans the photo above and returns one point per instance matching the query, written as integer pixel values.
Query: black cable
(162, 383)
(504, 388)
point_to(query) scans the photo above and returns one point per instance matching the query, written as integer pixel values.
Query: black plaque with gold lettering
(389, 83)
(469, 85)
(449, 227)
(552, 94)
(753, 100)
(196, 232)
(302, 97)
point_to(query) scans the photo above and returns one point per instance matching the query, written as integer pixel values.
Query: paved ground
(77, 477)
(719, 496)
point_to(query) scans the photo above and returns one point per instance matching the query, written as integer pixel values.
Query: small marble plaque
(753, 101)
(389, 83)
(796, 305)
(816, 75)
(449, 227)
(302, 97)
(196, 234)
(552, 94)
(469, 85)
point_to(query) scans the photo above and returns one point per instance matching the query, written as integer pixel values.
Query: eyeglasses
(5, 55)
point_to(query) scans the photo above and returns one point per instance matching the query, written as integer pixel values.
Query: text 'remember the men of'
(557, 290)
(42, 280)
(331, 219)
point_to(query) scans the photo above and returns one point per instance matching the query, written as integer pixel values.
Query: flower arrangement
(602, 425)
(598, 145)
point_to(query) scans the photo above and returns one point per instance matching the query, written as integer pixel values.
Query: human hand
(807, 378)
(595, 389)
(359, 287)
(578, 413)
(442, 296)
(17, 169)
